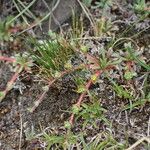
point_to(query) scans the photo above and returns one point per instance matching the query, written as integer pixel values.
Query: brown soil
(16, 121)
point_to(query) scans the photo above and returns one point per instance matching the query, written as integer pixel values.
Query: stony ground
(18, 125)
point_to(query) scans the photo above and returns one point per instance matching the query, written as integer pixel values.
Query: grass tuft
(52, 55)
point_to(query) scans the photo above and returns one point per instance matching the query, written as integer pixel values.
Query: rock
(63, 11)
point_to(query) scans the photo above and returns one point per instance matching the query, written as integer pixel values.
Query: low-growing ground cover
(85, 87)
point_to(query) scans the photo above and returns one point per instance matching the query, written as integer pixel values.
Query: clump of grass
(52, 55)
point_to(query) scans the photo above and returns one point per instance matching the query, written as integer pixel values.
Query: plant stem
(3, 58)
(41, 98)
(78, 104)
(11, 82)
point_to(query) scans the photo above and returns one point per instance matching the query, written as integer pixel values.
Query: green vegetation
(104, 4)
(20, 63)
(140, 7)
(52, 56)
(118, 61)
(5, 29)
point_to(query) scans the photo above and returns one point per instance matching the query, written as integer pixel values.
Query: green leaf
(129, 75)
(81, 89)
(94, 78)
(87, 2)
(2, 94)
(68, 65)
(138, 103)
(67, 125)
(75, 109)
(52, 55)
(135, 57)
(84, 49)
(121, 92)
(57, 74)
(148, 96)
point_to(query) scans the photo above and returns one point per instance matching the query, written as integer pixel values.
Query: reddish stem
(129, 65)
(147, 8)
(41, 98)
(3, 58)
(78, 104)
(37, 103)
(10, 83)
(110, 67)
